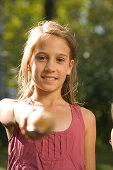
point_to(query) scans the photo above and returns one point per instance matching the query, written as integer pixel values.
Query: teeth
(49, 78)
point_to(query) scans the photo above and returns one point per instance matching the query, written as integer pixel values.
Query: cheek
(36, 68)
(65, 69)
(63, 72)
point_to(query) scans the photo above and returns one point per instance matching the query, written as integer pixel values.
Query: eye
(41, 58)
(60, 59)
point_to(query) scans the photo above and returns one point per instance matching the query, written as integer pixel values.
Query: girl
(47, 110)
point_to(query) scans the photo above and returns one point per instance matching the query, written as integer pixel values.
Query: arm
(17, 113)
(6, 112)
(14, 113)
(34, 121)
(90, 138)
(7, 115)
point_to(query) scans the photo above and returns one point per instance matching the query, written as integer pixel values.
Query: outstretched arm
(7, 117)
(18, 113)
(34, 121)
(90, 138)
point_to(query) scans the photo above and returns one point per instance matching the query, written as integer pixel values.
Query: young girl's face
(50, 63)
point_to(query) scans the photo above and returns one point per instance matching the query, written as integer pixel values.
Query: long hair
(26, 85)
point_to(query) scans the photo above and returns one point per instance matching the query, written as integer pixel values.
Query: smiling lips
(49, 78)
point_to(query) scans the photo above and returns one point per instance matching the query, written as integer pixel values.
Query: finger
(23, 124)
(33, 133)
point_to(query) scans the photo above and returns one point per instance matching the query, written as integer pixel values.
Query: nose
(50, 66)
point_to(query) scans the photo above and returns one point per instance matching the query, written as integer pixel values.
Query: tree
(91, 22)
(3, 88)
(49, 9)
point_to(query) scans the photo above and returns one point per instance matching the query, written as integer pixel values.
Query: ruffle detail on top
(53, 147)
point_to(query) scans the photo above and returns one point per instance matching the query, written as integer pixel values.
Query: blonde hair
(26, 85)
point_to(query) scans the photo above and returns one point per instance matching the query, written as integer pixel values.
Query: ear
(71, 64)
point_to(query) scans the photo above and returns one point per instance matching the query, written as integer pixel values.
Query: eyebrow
(42, 52)
(63, 54)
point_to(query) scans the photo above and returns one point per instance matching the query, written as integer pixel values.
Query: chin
(50, 89)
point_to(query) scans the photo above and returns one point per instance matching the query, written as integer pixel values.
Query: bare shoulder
(87, 113)
(7, 101)
(90, 138)
(89, 117)
(6, 111)
(6, 104)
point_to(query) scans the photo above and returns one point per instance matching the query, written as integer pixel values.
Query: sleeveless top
(62, 150)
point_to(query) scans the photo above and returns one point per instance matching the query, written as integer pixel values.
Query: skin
(49, 66)
(112, 138)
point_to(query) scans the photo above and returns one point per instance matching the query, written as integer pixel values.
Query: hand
(39, 123)
(34, 121)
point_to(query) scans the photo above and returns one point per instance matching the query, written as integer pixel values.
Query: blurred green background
(91, 21)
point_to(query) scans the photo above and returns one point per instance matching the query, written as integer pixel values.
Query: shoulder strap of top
(77, 113)
(29, 101)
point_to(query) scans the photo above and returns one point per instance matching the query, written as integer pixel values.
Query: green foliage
(19, 16)
(91, 21)
(104, 157)
(3, 157)
(92, 24)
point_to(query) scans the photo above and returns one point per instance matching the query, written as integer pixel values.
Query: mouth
(49, 78)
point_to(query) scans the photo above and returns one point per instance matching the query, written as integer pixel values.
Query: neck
(47, 98)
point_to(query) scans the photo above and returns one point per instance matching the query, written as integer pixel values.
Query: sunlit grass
(1, 168)
(104, 167)
(3, 158)
(104, 157)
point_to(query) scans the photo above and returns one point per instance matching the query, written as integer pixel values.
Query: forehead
(52, 42)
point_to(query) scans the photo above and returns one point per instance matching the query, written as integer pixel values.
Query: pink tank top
(62, 150)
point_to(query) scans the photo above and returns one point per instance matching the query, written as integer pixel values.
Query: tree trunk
(3, 88)
(49, 9)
